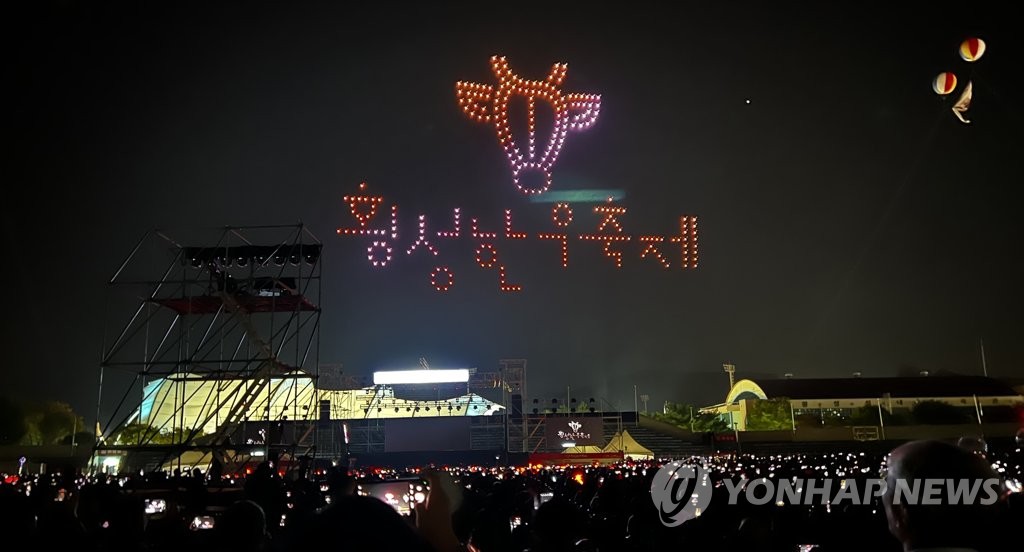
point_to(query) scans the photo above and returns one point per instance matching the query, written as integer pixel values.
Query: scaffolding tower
(215, 356)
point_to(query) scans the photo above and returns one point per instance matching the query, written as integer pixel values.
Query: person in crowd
(242, 527)
(502, 509)
(939, 523)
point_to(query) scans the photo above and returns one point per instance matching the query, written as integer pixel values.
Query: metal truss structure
(218, 354)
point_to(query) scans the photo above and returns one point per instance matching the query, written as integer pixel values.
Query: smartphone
(201, 522)
(542, 498)
(155, 506)
(401, 494)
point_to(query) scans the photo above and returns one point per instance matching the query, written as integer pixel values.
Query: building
(191, 401)
(849, 399)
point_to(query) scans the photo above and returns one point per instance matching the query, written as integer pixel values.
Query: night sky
(848, 222)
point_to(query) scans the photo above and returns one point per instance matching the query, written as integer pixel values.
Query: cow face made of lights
(487, 103)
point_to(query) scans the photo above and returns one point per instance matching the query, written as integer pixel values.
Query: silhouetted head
(942, 518)
(359, 523)
(243, 524)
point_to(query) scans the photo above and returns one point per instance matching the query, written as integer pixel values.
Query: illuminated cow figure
(489, 104)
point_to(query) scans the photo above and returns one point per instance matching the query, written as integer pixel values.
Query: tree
(769, 414)
(808, 419)
(687, 417)
(1000, 414)
(81, 438)
(834, 418)
(134, 434)
(709, 423)
(674, 413)
(939, 413)
(12, 422)
(145, 434)
(898, 416)
(865, 416)
(57, 420)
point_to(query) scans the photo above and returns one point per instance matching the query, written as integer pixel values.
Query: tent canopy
(625, 443)
(585, 449)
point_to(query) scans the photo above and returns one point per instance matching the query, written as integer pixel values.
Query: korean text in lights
(609, 232)
(488, 103)
(399, 377)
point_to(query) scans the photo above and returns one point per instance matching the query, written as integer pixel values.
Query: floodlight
(399, 377)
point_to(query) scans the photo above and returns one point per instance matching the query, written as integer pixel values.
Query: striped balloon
(944, 83)
(972, 49)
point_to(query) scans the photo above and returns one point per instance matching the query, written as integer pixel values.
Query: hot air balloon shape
(944, 83)
(972, 49)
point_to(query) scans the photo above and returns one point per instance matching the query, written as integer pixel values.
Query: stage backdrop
(419, 434)
(580, 431)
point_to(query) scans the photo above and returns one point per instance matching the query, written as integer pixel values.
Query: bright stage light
(399, 377)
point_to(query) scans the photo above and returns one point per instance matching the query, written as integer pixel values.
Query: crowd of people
(508, 509)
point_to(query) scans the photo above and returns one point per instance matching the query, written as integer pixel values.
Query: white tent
(625, 443)
(584, 449)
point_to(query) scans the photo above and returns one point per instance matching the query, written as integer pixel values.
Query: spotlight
(417, 409)
(280, 259)
(366, 411)
(396, 409)
(592, 409)
(408, 409)
(241, 261)
(427, 408)
(295, 259)
(534, 410)
(196, 262)
(311, 258)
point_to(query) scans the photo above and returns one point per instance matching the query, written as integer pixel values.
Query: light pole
(636, 408)
(731, 370)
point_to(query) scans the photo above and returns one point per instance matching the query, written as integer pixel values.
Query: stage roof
(862, 388)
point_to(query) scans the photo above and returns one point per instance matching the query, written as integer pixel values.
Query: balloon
(972, 49)
(944, 83)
